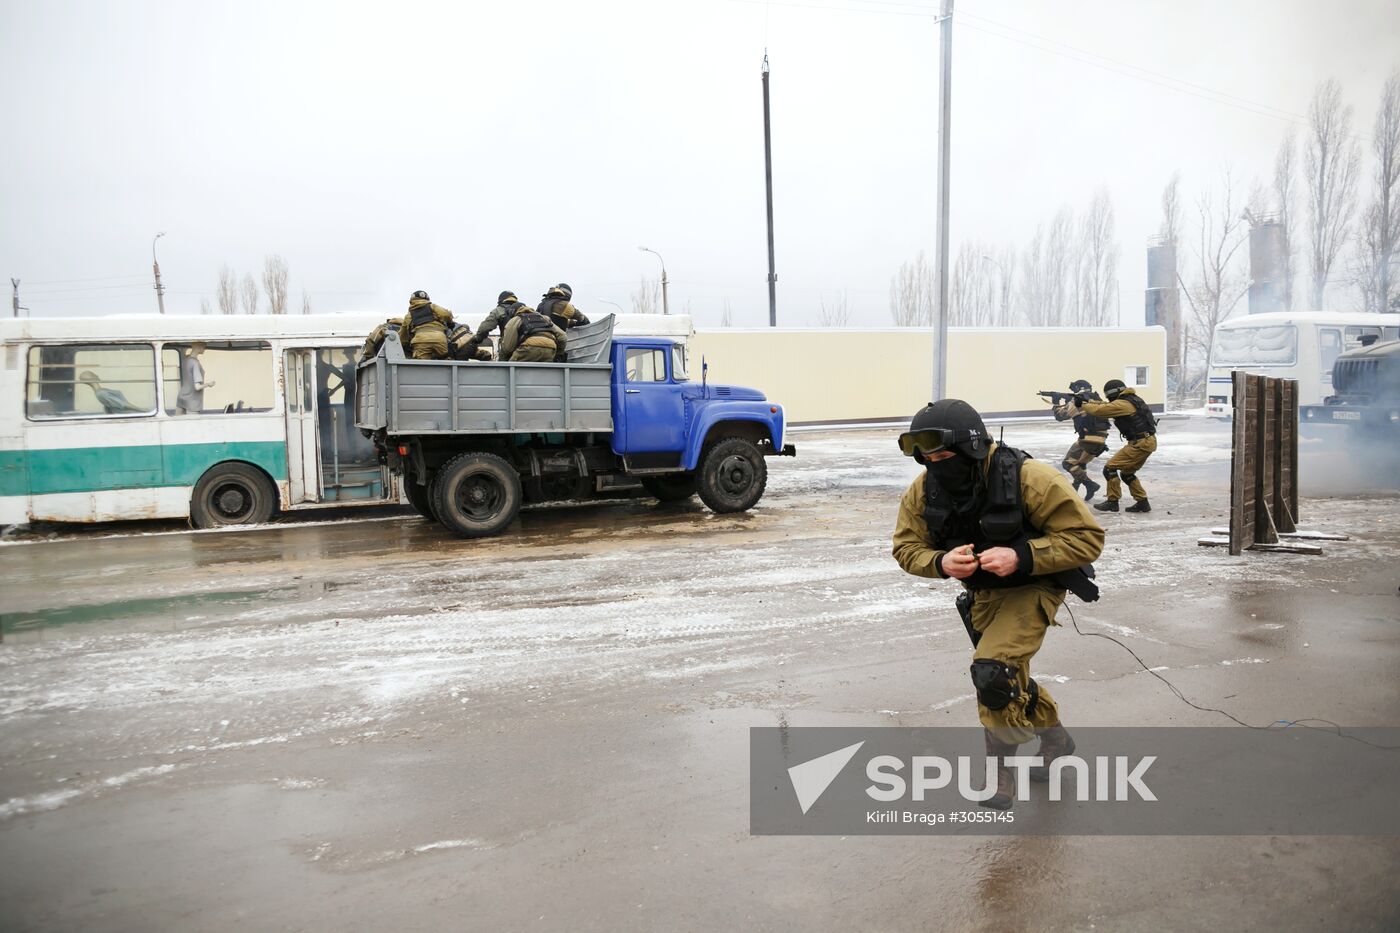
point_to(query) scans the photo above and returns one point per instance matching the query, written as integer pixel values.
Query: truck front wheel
(732, 476)
(476, 494)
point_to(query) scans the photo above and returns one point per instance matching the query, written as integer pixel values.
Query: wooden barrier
(1264, 464)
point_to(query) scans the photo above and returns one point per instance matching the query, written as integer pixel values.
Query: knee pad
(1067, 466)
(995, 683)
(1128, 477)
(1108, 473)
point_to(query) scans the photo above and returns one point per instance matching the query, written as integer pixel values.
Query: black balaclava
(961, 473)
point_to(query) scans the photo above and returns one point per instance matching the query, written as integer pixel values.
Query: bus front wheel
(232, 494)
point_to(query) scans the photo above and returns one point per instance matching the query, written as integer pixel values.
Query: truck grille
(1355, 377)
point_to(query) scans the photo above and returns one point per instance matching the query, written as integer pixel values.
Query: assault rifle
(1059, 398)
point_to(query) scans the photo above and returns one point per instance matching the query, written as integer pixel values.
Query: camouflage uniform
(375, 340)
(426, 340)
(1013, 621)
(1138, 445)
(540, 347)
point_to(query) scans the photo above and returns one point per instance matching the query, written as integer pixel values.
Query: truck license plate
(1346, 416)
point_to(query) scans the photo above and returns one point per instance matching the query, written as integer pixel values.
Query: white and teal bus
(99, 420)
(1288, 345)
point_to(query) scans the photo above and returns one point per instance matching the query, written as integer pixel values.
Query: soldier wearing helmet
(1017, 536)
(425, 328)
(507, 307)
(1138, 426)
(556, 305)
(1091, 439)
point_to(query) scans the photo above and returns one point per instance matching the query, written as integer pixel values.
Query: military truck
(473, 441)
(1367, 385)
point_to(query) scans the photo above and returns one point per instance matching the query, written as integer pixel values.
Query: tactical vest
(422, 314)
(1000, 522)
(1087, 425)
(532, 323)
(508, 310)
(547, 306)
(1141, 423)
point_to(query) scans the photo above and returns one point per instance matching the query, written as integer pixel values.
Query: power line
(100, 278)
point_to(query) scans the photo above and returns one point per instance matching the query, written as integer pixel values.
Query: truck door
(653, 410)
(303, 461)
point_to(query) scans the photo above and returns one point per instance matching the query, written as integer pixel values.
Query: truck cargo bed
(404, 396)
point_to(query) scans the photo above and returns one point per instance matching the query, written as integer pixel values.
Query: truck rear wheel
(732, 476)
(476, 494)
(671, 487)
(420, 497)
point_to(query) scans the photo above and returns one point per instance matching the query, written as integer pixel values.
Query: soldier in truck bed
(425, 328)
(1135, 421)
(530, 337)
(507, 307)
(556, 305)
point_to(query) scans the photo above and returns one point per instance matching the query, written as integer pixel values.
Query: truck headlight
(1394, 417)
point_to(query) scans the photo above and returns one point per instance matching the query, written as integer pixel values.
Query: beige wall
(865, 375)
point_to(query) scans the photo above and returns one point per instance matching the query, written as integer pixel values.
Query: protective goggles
(932, 440)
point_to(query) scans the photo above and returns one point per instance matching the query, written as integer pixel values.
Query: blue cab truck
(473, 441)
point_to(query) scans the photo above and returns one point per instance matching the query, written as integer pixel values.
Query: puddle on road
(180, 607)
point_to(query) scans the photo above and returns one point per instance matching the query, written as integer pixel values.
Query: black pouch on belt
(964, 604)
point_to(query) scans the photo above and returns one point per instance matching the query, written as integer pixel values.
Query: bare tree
(726, 318)
(1220, 282)
(976, 292)
(227, 293)
(274, 280)
(1284, 186)
(305, 302)
(1331, 159)
(1048, 272)
(204, 305)
(250, 295)
(1379, 239)
(647, 298)
(1170, 308)
(837, 313)
(1098, 264)
(913, 293)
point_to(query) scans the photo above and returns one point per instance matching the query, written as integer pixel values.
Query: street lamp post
(155, 267)
(665, 304)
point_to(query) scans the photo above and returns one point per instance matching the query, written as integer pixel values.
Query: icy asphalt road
(373, 724)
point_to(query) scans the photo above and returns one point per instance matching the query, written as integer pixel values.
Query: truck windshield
(678, 370)
(1256, 346)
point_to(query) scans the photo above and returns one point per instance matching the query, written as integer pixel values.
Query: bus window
(1355, 333)
(90, 381)
(1329, 347)
(1256, 346)
(349, 463)
(235, 377)
(1390, 333)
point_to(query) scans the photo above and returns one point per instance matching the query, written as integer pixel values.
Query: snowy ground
(372, 719)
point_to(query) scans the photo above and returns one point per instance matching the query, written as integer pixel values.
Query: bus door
(303, 460)
(350, 467)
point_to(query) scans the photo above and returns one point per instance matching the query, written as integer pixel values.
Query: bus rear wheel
(476, 494)
(232, 494)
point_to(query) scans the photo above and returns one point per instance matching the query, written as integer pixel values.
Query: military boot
(1092, 490)
(1055, 742)
(1108, 505)
(1006, 780)
(1076, 482)
(1139, 506)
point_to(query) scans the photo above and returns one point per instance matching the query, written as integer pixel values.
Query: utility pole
(665, 302)
(768, 179)
(945, 120)
(155, 267)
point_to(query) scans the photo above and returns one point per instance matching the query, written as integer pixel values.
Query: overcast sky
(464, 148)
